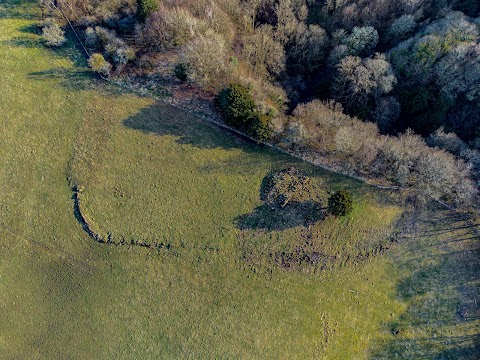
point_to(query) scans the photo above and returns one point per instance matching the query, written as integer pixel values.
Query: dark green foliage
(416, 99)
(340, 203)
(238, 106)
(425, 109)
(260, 126)
(126, 25)
(145, 8)
(181, 71)
(468, 7)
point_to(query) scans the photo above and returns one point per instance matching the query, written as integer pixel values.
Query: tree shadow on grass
(16, 9)
(78, 79)
(276, 160)
(442, 292)
(166, 120)
(466, 347)
(73, 79)
(31, 29)
(266, 218)
(301, 209)
(71, 49)
(27, 42)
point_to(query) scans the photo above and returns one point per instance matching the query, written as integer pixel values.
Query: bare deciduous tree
(266, 55)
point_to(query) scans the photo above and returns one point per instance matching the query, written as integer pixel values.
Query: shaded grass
(81, 299)
(19, 9)
(183, 182)
(327, 243)
(151, 171)
(442, 289)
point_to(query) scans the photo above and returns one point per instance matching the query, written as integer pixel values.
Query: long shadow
(265, 218)
(165, 120)
(77, 77)
(442, 292)
(18, 9)
(296, 213)
(465, 347)
(72, 79)
(31, 29)
(27, 42)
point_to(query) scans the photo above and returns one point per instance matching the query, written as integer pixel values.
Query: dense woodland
(387, 89)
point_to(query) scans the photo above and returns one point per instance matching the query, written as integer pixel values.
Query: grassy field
(152, 173)
(160, 176)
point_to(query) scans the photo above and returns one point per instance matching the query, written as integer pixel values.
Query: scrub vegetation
(394, 71)
(224, 275)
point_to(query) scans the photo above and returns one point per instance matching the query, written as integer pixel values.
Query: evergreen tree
(239, 108)
(340, 203)
(145, 8)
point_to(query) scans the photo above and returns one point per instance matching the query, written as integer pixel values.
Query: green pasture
(151, 173)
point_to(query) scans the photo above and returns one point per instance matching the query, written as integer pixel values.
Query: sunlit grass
(152, 172)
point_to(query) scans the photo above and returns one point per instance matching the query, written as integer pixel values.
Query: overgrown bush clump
(114, 49)
(405, 160)
(286, 186)
(53, 35)
(239, 108)
(98, 64)
(121, 55)
(181, 71)
(405, 64)
(340, 203)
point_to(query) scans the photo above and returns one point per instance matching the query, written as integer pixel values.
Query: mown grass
(153, 172)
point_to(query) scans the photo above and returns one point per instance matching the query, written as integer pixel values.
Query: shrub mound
(286, 186)
(98, 64)
(340, 203)
(53, 35)
(181, 71)
(145, 8)
(240, 111)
